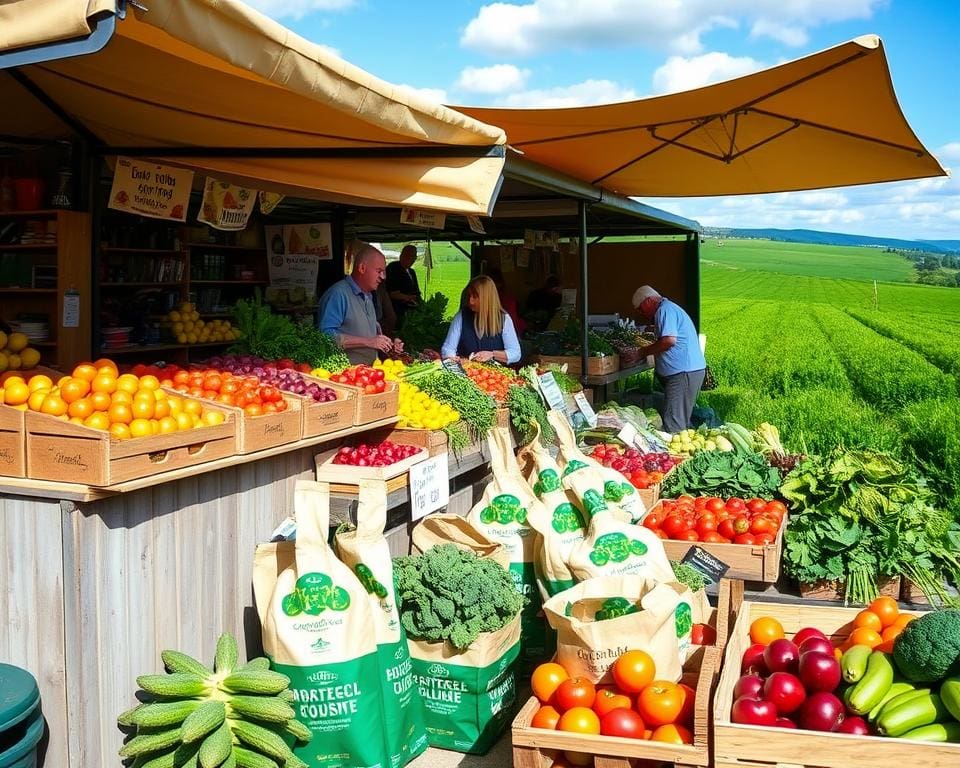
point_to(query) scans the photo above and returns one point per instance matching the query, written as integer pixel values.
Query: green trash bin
(21, 720)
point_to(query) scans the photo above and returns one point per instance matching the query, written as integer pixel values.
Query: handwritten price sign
(429, 486)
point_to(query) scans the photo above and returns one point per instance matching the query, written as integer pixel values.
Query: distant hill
(837, 238)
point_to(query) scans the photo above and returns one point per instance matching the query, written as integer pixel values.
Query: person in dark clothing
(402, 282)
(481, 330)
(546, 299)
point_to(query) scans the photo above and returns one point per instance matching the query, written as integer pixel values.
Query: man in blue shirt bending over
(678, 359)
(349, 313)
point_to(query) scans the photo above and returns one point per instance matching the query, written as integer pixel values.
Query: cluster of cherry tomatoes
(381, 455)
(641, 469)
(635, 706)
(244, 392)
(713, 520)
(369, 380)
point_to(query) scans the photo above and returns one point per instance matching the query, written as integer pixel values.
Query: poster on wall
(294, 253)
(150, 189)
(226, 206)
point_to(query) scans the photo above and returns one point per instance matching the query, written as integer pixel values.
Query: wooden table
(603, 381)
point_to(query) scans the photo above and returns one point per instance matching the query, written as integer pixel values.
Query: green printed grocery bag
(611, 486)
(468, 695)
(365, 550)
(600, 619)
(558, 519)
(318, 629)
(502, 516)
(451, 528)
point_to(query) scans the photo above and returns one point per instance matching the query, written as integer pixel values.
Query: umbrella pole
(585, 309)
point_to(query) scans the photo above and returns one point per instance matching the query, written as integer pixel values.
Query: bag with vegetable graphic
(598, 620)
(365, 550)
(467, 693)
(612, 487)
(501, 515)
(558, 519)
(318, 630)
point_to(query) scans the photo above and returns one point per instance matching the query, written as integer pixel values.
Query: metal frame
(102, 28)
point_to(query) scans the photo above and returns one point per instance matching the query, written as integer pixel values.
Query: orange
(184, 421)
(36, 399)
(76, 420)
(633, 671)
(149, 382)
(661, 702)
(54, 405)
(40, 382)
(212, 418)
(579, 720)
(546, 717)
(168, 425)
(903, 619)
(886, 608)
(672, 734)
(864, 636)
(143, 408)
(870, 620)
(140, 428)
(176, 404)
(765, 630)
(192, 407)
(73, 389)
(103, 364)
(16, 392)
(85, 371)
(98, 420)
(120, 431)
(63, 380)
(128, 383)
(161, 409)
(80, 408)
(100, 401)
(120, 396)
(120, 413)
(545, 679)
(104, 382)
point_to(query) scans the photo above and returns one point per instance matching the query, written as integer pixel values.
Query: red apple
(781, 656)
(785, 691)
(752, 662)
(785, 722)
(752, 711)
(819, 671)
(748, 685)
(805, 633)
(820, 644)
(855, 725)
(821, 712)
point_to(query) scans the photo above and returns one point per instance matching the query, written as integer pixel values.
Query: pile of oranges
(96, 395)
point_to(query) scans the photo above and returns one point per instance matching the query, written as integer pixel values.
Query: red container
(29, 194)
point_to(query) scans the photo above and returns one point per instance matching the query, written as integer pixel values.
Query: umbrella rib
(666, 142)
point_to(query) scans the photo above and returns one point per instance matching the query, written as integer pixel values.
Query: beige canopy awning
(827, 120)
(215, 85)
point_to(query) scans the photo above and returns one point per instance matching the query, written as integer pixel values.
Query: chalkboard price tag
(454, 367)
(711, 567)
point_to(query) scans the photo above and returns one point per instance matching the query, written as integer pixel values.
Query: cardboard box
(596, 366)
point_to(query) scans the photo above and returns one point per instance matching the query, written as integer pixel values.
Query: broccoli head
(928, 649)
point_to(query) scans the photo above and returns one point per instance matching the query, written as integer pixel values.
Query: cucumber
(853, 663)
(902, 698)
(950, 695)
(874, 684)
(899, 686)
(924, 710)
(942, 732)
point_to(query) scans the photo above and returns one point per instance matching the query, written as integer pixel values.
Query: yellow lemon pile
(15, 355)
(188, 328)
(417, 410)
(392, 369)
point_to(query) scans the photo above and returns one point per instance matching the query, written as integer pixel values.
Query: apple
(752, 662)
(781, 656)
(785, 691)
(806, 633)
(748, 685)
(855, 725)
(785, 722)
(819, 671)
(821, 644)
(821, 711)
(749, 710)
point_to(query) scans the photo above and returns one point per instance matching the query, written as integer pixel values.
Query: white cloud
(499, 78)
(523, 29)
(436, 95)
(681, 74)
(576, 95)
(297, 9)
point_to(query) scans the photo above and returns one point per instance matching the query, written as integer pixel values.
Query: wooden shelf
(141, 285)
(118, 249)
(134, 349)
(220, 247)
(42, 344)
(29, 247)
(27, 290)
(228, 282)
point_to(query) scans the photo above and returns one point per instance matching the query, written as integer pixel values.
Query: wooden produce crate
(367, 408)
(434, 441)
(13, 456)
(750, 746)
(65, 452)
(322, 418)
(747, 562)
(503, 417)
(349, 475)
(536, 747)
(650, 496)
(833, 590)
(596, 366)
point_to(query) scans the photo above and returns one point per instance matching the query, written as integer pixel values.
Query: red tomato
(622, 722)
(736, 505)
(725, 529)
(608, 700)
(690, 696)
(673, 526)
(775, 509)
(689, 535)
(714, 504)
(714, 538)
(765, 538)
(705, 527)
(744, 538)
(756, 506)
(762, 524)
(574, 692)
(652, 521)
(741, 524)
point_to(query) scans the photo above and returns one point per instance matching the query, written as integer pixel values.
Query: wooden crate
(535, 747)
(650, 496)
(596, 366)
(747, 562)
(13, 456)
(350, 475)
(59, 450)
(367, 408)
(833, 590)
(748, 746)
(434, 441)
(323, 418)
(503, 417)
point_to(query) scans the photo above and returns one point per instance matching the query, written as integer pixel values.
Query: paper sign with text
(628, 434)
(226, 206)
(454, 367)
(294, 253)
(157, 191)
(429, 486)
(700, 560)
(417, 217)
(585, 408)
(551, 392)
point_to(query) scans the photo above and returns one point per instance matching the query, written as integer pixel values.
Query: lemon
(17, 341)
(173, 316)
(29, 358)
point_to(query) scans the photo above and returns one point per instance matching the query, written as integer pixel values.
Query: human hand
(381, 342)
(483, 356)
(397, 346)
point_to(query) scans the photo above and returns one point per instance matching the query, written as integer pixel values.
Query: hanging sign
(157, 191)
(226, 206)
(476, 225)
(429, 486)
(294, 253)
(418, 217)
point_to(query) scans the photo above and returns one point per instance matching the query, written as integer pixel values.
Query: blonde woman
(481, 330)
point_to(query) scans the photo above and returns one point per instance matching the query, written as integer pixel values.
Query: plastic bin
(21, 720)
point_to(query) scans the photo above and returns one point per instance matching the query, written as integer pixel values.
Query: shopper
(679, 362)
(402, 282)
(481, 330)
(348, 311)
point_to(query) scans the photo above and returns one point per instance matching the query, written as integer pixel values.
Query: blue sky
(569, 52)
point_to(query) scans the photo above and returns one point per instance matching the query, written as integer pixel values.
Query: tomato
(736, 505)
(546, 717)
(764, 539)
(703, 634)
(574, 692)
(622, 722)
(660, 702)
(688, 535)
(775, 508)
(714, 504)
(672, 734)
(673, 526)
(689, 700)
(755, 506)
(545, 679)
(741, 524)
(725, 529)
(766, 629)
(579, 720)
(744, 538)
(633, 671)
(705, 527)
(253, 410)
(652, 521)
(762, 524)
(608, 700)
(714, 538)
(213, 381)
(661, 533)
